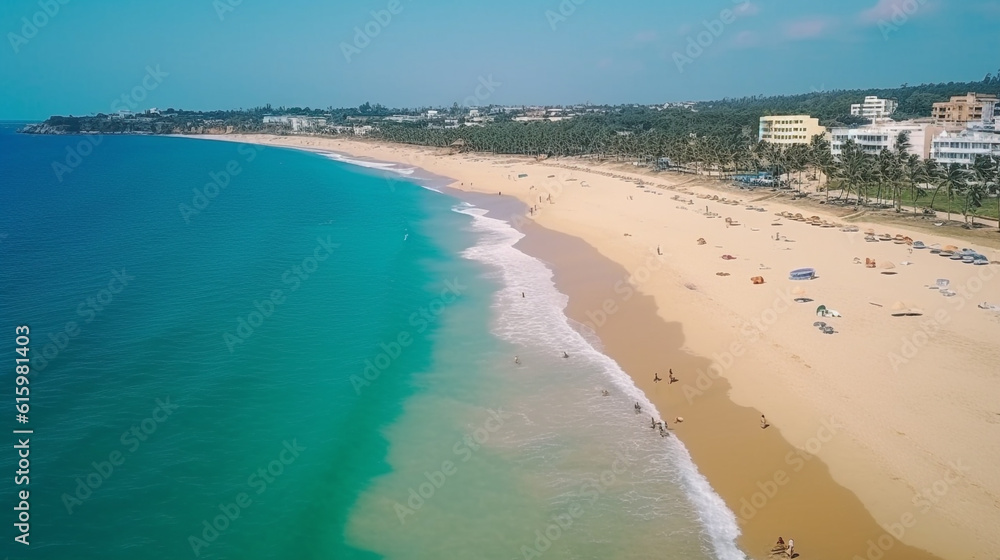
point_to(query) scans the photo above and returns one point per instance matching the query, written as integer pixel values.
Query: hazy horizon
(80, 59)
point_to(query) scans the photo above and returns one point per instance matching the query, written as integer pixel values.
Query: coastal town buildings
(875, 137)
(874, 108)
(969, 108)
(296, 123)
(789, 129)
(964, 147)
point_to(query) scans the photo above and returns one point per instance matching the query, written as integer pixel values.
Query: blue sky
(240, 53)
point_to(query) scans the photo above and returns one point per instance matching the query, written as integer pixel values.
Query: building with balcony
(963, 147)
(970, 108)
(874, 108)
(789, 129)
(874, 138)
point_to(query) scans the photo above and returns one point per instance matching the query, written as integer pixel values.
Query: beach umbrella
(902, 309)
(949, 248)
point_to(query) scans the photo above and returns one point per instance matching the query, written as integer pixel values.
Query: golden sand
(888, 425)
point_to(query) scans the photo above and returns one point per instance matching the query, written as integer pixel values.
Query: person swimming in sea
(638, 408)
(517, 360)
(565, 355)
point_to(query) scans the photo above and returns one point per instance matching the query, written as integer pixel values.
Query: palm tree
(984, 168)
(853, 169)
(974, 194)
(953, 179)
(917, 174)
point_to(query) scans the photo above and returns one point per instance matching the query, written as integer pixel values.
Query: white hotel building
(965, 146)
(874, 138)
(874, 108)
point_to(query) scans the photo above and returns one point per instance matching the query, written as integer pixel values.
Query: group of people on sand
(672, 379)
(781, 548)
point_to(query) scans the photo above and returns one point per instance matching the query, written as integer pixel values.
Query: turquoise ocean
(260, 353)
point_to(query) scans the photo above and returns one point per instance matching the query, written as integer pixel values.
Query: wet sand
(774, 488)
(896, 417)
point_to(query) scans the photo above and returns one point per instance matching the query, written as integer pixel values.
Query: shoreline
(834, 506)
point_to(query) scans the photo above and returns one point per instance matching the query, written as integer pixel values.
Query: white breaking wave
(539, 319)
(391, 167)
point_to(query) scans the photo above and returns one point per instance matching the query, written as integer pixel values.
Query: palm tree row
(887, 178)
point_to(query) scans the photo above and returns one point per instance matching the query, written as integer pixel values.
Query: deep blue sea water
(245, 352)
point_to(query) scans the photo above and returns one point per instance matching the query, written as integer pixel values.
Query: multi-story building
(874, 138)
(974, 107)
(789, 129)
(874, 108)
(297, 123)
(963, 147)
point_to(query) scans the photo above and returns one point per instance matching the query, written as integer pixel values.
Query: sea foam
(540, 320)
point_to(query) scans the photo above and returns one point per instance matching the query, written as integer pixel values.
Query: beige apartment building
(789, 129)
(974, 107)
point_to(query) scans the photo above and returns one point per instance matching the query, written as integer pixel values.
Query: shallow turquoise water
(370, 409)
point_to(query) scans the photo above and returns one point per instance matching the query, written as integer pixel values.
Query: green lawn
(941, 203)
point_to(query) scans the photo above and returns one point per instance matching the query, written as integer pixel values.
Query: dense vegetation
(717, 137)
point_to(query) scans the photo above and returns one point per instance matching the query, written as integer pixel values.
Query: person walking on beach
(656, 378)
(791, 548)
(763, 422)
(638, 408)
(672, 378)
(652, 422)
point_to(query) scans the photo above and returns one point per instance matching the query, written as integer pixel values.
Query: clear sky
(221, 54)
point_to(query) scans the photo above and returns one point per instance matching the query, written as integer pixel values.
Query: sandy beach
(882, 436)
